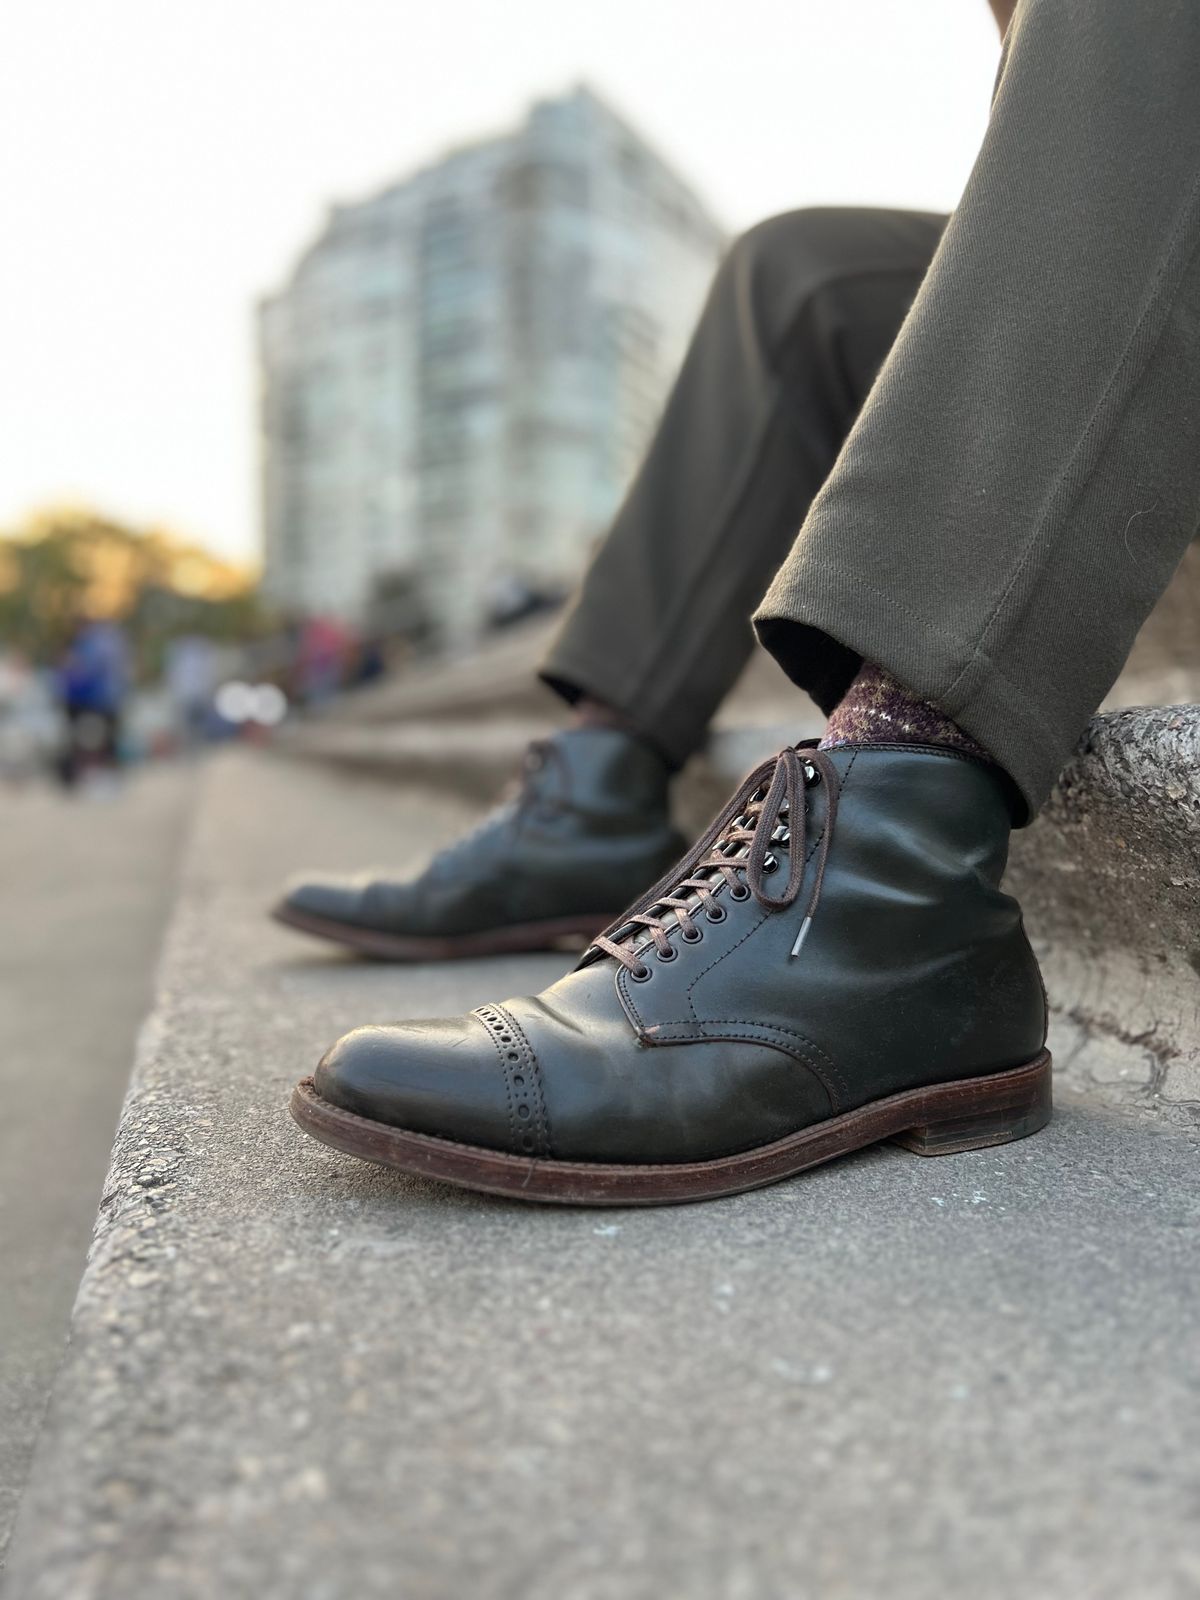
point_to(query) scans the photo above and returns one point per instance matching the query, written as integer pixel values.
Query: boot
(588, 830)
(834, 963)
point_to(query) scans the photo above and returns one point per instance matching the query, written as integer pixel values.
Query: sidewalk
(295, 1376)
(86, 890)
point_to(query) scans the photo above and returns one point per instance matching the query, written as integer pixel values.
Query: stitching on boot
(766, 1033)
(771, 1036)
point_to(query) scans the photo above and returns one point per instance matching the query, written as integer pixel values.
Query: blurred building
(459, 379)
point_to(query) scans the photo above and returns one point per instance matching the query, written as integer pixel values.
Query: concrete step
(500, 672)
(1109, 877)
(291, 1375)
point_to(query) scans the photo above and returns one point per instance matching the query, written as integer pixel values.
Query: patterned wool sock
(877, 710)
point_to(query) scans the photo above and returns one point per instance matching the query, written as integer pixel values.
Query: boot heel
(995, 1110)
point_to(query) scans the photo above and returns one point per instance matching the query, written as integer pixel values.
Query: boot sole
(939, 1119)
(518, 939)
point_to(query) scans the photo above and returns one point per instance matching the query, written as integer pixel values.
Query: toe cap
(337, 899)
(441, 1077)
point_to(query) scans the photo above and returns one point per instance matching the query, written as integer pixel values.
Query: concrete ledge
(474, 759)
(1110, 879)
(499, 672)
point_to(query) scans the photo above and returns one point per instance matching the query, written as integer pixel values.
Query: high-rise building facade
(460, 376)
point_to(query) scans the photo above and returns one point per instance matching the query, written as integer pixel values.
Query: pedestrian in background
(93, 686)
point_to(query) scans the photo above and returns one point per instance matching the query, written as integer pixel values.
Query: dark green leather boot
(587, 832)
(833, 964)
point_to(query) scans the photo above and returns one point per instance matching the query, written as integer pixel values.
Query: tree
(68, 564)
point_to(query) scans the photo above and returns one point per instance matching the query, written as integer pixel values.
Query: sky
(163, 163)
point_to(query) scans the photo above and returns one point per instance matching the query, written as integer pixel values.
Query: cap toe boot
(834, 963)
(589, 829)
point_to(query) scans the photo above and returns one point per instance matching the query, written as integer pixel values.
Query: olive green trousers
(966, 451)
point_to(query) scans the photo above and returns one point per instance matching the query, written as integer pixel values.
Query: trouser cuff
(820, 632)
(574, 674)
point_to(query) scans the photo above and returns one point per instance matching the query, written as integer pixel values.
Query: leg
(801, 315)
(836, 961)
(70, 761)
(111, 747)
(1026, 474)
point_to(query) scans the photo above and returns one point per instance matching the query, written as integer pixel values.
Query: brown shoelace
(771, 804)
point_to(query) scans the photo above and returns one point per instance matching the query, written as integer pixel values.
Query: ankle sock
(591, 713)
(877, 710)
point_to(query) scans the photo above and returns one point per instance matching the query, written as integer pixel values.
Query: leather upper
(589, 829)
(915, 970)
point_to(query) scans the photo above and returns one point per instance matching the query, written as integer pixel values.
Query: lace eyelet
(694, 937)
(641, 974)
(668, 954)
(739, 892)
(717, 914)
